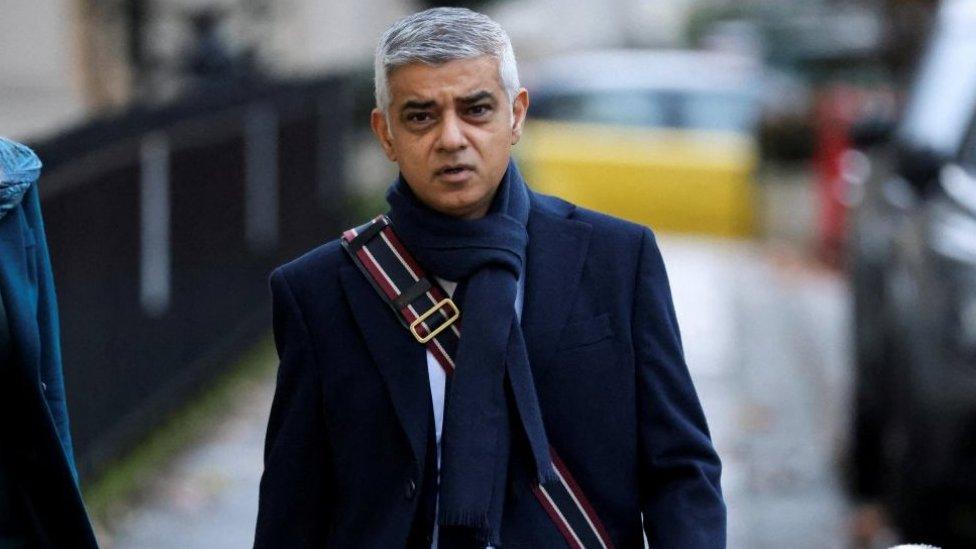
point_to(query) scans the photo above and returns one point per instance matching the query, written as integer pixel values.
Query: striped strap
(420, 302)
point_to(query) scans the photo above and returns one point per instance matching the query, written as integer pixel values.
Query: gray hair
(439, 35)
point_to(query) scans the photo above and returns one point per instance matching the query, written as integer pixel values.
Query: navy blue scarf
(487, 257)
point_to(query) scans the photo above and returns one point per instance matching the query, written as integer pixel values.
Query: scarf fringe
(546, 475)
(466, 519)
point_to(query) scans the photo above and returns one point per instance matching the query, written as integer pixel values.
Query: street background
(765, 313)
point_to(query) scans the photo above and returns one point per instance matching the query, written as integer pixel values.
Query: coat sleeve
(295, 504)
(52, 375)
(681, 499)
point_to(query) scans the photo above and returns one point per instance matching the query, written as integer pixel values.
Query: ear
(377, 121)
(519, 108)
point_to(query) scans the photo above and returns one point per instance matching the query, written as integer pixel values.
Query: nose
(452, 138)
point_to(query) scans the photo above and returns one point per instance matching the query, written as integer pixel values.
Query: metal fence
(163, 225)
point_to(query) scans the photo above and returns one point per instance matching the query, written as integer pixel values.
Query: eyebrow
(477, 96)
(419, 105)
(424, 105)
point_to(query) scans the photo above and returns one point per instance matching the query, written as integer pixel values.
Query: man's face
(450, 130)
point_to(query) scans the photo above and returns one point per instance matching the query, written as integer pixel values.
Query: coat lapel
(400, 359)
(557, 250)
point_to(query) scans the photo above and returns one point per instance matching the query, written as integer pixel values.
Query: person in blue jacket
(40, 503)
(567, 345)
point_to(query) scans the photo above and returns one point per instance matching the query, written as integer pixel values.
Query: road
(765, 336)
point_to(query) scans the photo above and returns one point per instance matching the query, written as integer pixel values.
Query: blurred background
(808, 165)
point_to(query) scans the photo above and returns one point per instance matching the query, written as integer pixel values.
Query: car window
(649, 108)
(942, 101)
(967, 153)
(611, 107)
(967, 156)
(720, 111)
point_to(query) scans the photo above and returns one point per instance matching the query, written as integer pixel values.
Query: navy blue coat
(351, 419)
(33, 415)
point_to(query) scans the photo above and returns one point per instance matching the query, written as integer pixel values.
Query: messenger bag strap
(434, 320)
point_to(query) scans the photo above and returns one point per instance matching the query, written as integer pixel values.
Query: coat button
(410, 489)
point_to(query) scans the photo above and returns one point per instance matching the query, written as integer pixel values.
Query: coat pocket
(585, 332)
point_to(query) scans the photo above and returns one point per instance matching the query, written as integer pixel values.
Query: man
(40, 505)
(562, 414)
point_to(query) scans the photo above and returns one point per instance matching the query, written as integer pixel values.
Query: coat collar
(555, 256)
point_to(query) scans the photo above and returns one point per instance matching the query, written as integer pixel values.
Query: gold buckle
(450, 320)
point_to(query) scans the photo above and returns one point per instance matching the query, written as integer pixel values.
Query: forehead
(456, 78)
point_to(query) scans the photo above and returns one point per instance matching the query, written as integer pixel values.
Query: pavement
(207, 497)
(765, 335)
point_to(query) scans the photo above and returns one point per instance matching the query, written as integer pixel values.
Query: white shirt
(438, 380)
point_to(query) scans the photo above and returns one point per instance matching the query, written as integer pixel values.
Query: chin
(455, 209)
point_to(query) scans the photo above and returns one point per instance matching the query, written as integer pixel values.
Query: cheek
(409, 144)
(414, 160)
(496, 146)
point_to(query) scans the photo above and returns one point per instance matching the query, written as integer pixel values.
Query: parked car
(663, 138)
(913, 266)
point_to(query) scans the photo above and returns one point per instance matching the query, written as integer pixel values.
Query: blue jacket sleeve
(681, 498)
(51, 372)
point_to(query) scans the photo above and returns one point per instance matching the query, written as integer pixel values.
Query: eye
(479, 110)
(419, 117)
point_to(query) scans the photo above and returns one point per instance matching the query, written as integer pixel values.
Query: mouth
(454, 169)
